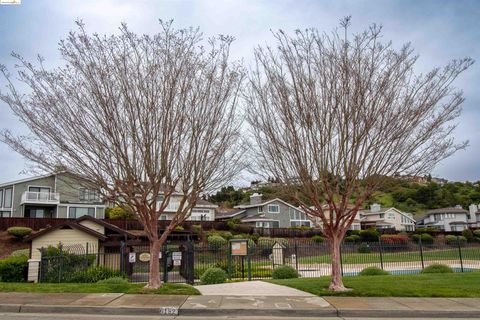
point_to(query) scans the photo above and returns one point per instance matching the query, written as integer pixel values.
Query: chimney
(256, 198)
(375, 207)
(473, 208)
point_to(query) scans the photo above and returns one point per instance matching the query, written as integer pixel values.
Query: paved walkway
(230, 305)
(250, 288)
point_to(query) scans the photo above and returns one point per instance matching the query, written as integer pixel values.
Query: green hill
(405, 195)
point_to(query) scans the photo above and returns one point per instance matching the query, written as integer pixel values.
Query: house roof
(26, 179)
(105, 224)
(447, 210)
(247, 206)
(228, 213)
(205, 203)
(70, 224)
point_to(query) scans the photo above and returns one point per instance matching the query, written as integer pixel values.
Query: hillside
(405, 195)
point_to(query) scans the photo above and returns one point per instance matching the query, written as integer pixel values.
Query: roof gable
(71, 225)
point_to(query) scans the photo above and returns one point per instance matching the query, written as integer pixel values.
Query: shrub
(369, 235)
(243, 228)
(394, 238)
(352, 238)
(94, 274)
(364, 248)
(213, 276)
(179, 228)
(468, 234)
(19, 232)
(353, 232)
(197, 228)
(20, 253)
(216, 242)
(265, 242)
(233, 223)
(425, 237)
(14, 269)
(476, 233)
(256, 236)
(284, 272)
(437, 268)
(318, 239)
(454, 240)
(118, 213)
(373, 271)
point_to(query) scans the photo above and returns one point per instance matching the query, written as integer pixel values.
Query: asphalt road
(46, 316)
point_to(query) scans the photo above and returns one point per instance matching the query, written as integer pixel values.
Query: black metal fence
(185, 263)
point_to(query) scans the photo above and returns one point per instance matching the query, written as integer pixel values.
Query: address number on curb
(168, 311)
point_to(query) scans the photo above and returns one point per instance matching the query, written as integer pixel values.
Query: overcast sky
(438, 30)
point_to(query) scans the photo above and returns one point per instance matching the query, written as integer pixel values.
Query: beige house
(86, 234)
(318, 222)
(390, 218)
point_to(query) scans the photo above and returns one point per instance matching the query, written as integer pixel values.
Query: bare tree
(332, 116)
(140, 117)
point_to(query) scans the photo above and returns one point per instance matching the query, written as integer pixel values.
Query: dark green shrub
(318, 239)
(373, 271)
(353, 238)
(284, 272)
(213, 276)
(255, 237)
(19, 232)
(427, 238)
(243, 228)
(353, 232)
(216, 242)
(364, 248)
(455, 240)
(476, 233)
(437, 268)
(265, 242)
(369, 235)
(233, 223)
(197, 228)
(14, 269)
(94, 274)
(468, 234)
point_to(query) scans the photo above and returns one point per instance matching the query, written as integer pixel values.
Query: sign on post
(239, 247)
(132, 257)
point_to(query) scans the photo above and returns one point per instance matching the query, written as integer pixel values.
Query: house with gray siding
(446, 219)
(274, 213)
(56, 195)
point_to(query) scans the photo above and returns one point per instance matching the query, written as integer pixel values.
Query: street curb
(292, 313)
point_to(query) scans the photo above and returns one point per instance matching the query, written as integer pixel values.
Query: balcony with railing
(40, 197)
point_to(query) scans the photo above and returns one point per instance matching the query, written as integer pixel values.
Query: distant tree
(335, 116)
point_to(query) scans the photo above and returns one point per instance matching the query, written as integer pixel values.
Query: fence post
(191, 263)
(341, 257)
(61, 263)
(460, 253)
(86, 256)
(229, 261)
(421, 251)
(122, 257)
(296, 255)
(165, 262)
(249, 263)
(381, 252)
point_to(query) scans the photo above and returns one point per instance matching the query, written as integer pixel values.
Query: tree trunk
(154, 275)
(336, 283)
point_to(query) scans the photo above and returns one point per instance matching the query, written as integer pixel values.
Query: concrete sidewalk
(228, 305)
(248, 288)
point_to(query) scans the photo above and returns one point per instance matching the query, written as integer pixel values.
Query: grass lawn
(167, 288)
(353, 258)
(420, 285)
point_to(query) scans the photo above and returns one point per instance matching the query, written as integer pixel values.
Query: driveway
(250, 288)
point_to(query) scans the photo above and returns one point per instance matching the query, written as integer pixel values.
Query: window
(260, 209)
(7, 198)
(382, 215)
(163, 217)
(39, 189)
(262, 224)
(77, 212)
(89, 195)
(4, 214)
(1, 198)
(391, 216)
(300, 223)
(273, 208)
(200, 215)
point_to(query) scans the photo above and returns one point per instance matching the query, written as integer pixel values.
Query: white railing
(40, 197)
